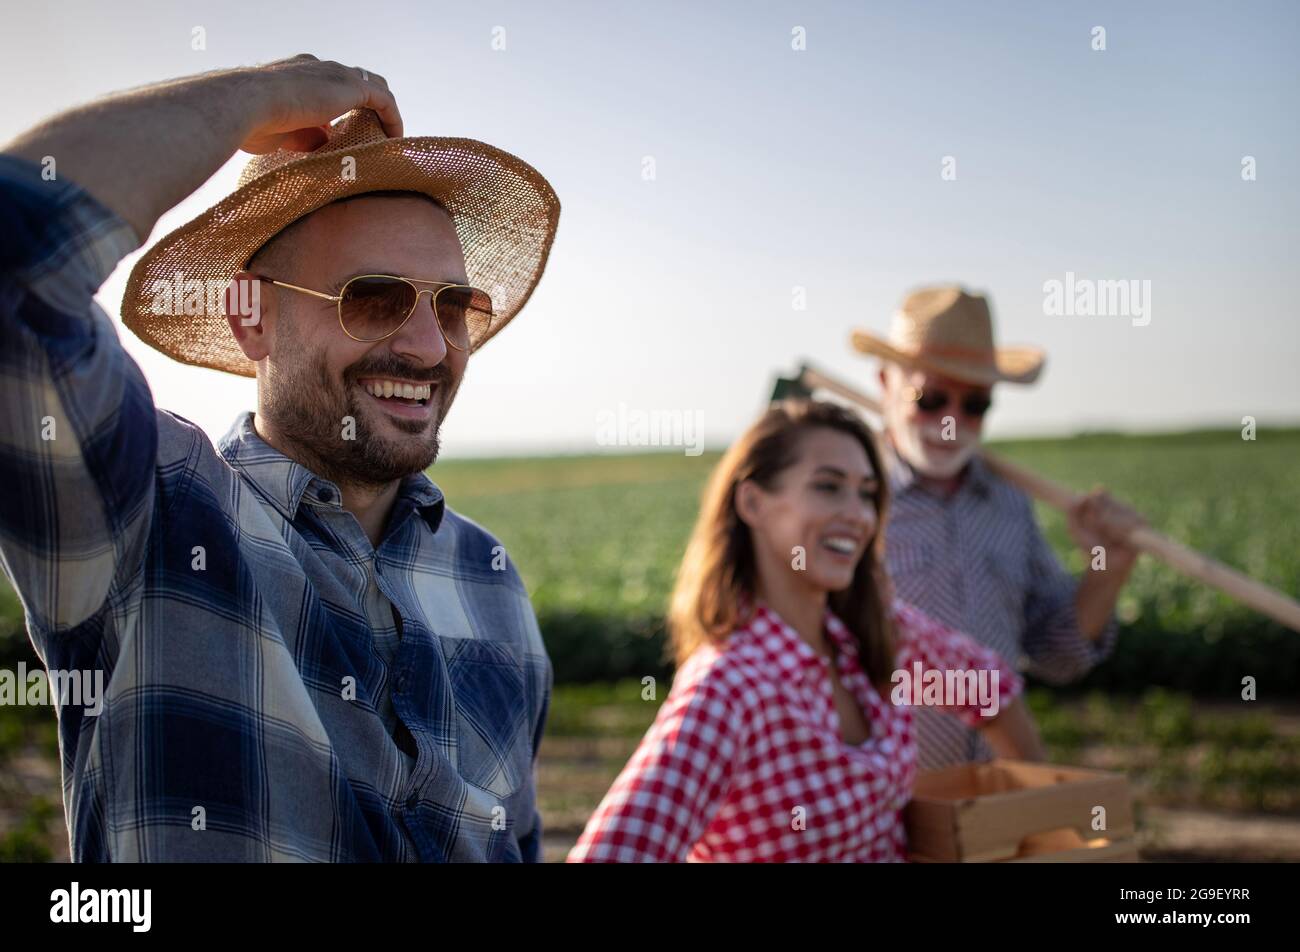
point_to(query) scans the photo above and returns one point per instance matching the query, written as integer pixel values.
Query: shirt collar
(286, 483)
(788, 645)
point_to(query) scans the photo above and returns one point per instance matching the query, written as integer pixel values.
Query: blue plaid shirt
(275, 687)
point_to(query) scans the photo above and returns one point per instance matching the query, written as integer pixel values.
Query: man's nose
(420, 338)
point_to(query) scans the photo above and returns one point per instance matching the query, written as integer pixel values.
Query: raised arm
(140, 152)
(78, 434)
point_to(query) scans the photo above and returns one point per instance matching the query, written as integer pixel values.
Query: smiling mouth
(840, 545)
(401, 398)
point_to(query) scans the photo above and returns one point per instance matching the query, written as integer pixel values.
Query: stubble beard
(326, 428)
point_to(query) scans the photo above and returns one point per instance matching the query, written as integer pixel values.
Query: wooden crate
(1011, 811)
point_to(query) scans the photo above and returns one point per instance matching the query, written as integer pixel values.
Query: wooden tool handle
(1188, 561)
(1269, 601)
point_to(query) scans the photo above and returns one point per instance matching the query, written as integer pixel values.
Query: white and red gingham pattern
(745, 763)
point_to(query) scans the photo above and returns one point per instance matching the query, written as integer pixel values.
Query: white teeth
(390, 388)
(841, 544)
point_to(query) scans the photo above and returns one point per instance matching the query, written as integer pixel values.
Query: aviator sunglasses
(372, 307)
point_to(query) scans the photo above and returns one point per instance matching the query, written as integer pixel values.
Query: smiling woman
(778, 740)
(804, 480)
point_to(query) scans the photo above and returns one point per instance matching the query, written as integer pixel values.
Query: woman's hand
(1012, 733)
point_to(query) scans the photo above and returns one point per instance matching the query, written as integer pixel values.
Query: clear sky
(819, 168)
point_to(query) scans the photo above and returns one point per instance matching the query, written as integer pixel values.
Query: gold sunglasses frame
(432, 292)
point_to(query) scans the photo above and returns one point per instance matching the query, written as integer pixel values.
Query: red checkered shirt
(745, 762)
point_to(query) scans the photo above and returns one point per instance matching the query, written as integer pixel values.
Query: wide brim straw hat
(945, 330)
(504, 212)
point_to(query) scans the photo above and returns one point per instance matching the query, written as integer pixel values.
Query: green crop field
(597, 540)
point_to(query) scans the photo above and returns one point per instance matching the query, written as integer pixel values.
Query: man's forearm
(1095, 600)
(143, 151)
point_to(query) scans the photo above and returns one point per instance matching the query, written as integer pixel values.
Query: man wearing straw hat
(306, 654)
(963, 544)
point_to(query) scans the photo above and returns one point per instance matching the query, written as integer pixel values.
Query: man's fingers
(368, 77)
(310, 92)
(380, 99)
(383, 103)
(305, 140)
(376, 95)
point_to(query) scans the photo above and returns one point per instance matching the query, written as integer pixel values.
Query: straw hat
(946, 331)
(505, 215)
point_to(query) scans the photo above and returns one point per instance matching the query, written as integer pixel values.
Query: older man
(963, 544)
(308, 654)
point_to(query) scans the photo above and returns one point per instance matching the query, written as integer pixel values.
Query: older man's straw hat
(946, 331)
(505, 214)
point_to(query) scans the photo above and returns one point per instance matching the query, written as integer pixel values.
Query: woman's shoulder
(734, 666)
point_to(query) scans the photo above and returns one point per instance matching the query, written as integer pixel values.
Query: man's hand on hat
(142, 151)
(1099, 519)
(300, 95)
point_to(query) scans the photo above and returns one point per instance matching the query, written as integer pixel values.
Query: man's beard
(924, 458)
(332, 431)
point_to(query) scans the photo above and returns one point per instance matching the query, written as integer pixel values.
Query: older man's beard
(910, 440)
(311, 410)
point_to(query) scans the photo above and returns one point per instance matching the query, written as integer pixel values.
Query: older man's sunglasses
(375, 306)
(933, 399)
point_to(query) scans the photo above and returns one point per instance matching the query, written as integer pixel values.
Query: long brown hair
(719, 567)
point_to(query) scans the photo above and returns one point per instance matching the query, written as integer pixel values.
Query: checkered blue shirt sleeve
(78, 434)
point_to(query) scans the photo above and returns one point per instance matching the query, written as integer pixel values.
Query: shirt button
(401, 682)
(412, 801)
(325, 494)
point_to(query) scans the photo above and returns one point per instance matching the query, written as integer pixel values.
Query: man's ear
(250, 312)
